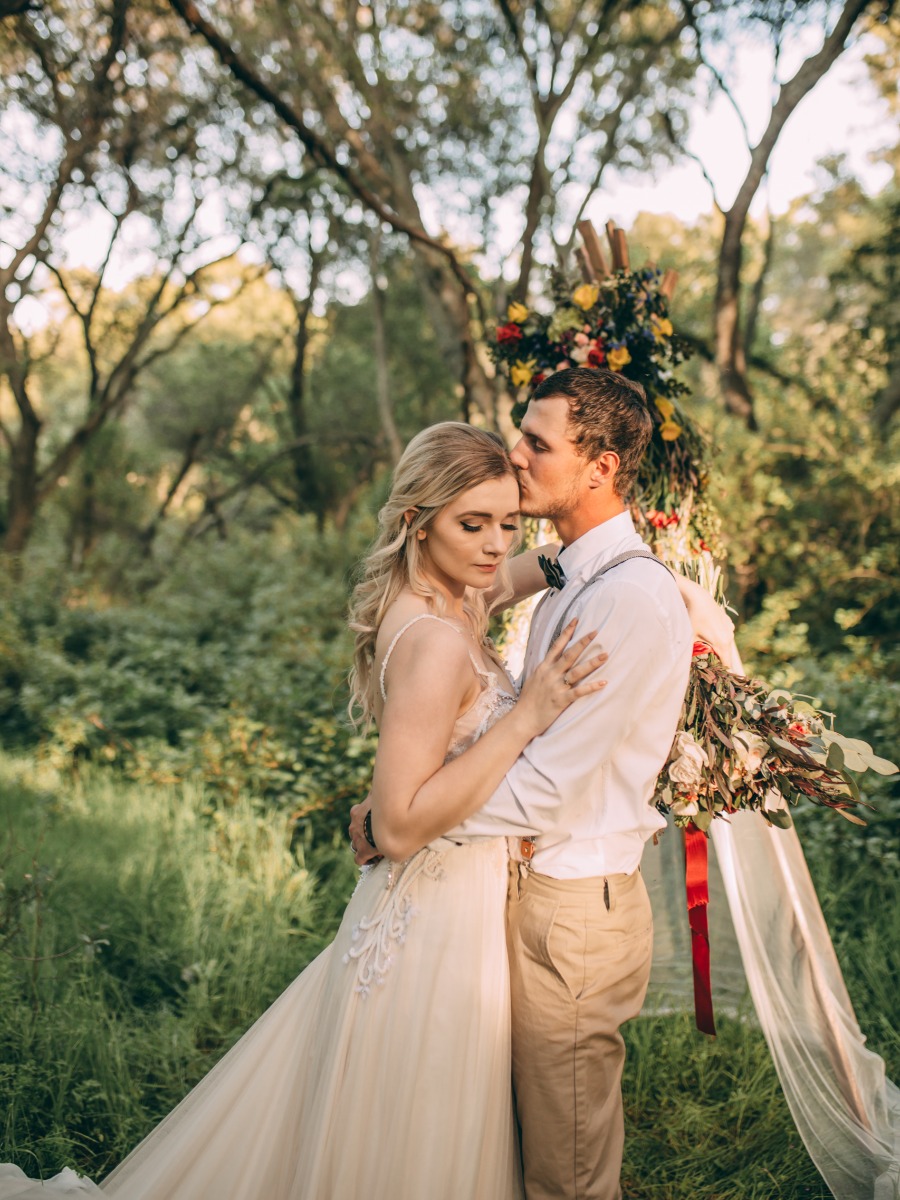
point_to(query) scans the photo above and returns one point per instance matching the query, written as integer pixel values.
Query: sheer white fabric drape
(767, 932)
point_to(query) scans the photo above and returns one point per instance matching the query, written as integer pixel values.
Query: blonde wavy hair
(438, 465)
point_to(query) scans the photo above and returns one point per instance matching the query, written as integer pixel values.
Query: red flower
(509, 333)
(703, 546)
(597, 357)
(659, 520)
(538, 379)
(700, 648)
(798, 727)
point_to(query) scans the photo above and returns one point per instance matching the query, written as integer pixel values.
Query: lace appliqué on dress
(491, 705)
(377, 936)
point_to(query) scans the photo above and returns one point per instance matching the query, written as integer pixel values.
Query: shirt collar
(597, 545)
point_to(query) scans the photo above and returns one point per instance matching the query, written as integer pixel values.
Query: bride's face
(468, 540)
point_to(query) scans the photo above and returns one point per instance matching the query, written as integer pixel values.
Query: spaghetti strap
(399, 634)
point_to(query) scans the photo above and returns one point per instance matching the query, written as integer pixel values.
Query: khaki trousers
(580, 954)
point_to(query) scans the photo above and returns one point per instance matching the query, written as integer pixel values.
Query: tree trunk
(22, 493)
(730, 353)
(306, 482)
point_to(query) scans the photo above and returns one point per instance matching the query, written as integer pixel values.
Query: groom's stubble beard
(551, 507)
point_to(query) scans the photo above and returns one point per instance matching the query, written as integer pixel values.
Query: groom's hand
(363, 851)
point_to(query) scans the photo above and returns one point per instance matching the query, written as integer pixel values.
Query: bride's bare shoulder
(444, 639)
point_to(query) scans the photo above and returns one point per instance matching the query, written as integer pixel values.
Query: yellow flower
(665, 408)
(669, 430)
(517, 313)
(662, 327)
(522, 372)
(586, 296)
(618, 358)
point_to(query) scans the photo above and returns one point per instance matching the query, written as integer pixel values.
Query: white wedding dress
(383, 1070)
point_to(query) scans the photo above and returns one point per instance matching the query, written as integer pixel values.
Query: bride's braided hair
(438, 464)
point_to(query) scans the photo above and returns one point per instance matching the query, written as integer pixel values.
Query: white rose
(689, 759)
(750, 749)
(579, 354)
(685, 808)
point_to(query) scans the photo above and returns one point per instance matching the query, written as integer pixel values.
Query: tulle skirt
(382, 1071)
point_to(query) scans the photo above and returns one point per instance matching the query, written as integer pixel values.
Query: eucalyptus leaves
(744, 745)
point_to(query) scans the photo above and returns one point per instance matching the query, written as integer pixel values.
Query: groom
(580, 927)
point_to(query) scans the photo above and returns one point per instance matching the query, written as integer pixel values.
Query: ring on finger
(566, 680)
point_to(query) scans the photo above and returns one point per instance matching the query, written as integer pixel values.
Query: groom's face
(553, 476)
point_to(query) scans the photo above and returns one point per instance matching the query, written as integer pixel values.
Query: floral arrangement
(743, 745)
(740, 744)
(622, 323)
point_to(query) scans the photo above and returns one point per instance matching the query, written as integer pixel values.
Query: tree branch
(319, 150)
(790, 94)
(715, 72)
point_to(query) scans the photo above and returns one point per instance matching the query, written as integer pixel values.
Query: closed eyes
(478, 528)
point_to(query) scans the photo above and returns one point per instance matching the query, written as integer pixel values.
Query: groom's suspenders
(613, 562)
(526, 844)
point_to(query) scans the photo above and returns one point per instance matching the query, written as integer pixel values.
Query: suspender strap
(613, 562)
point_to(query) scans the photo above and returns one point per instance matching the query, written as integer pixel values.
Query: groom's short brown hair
(606, 412)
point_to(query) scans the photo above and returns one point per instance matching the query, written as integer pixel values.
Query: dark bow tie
(553, 572)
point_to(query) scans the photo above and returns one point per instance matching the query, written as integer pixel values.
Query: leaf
(703, 820)
(849, 816)
(780, 743)
(835, 759)
(858, 755)
(721, 735)
(852, 785)
(778, 816)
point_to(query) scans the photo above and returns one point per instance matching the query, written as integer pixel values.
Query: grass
(141, 934)
(142, 931)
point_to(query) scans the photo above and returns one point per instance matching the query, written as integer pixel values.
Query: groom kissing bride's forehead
(585, 430)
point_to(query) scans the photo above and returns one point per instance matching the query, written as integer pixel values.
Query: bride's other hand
(561, 678)
(363, 851)
(709, 621)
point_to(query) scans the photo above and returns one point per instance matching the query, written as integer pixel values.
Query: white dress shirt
(584, 787)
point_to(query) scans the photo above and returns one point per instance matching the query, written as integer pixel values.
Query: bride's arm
(525, 576)
(415, 796)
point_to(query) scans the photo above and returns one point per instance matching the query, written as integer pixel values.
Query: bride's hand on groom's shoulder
(564, 676)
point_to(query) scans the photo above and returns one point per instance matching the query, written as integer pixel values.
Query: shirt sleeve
(560, 767)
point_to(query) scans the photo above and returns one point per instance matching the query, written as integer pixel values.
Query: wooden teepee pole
(593, 262)
(593, 250)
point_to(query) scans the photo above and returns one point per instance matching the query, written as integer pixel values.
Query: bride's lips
(486, 567)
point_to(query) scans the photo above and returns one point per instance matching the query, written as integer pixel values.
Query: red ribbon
(697, 879)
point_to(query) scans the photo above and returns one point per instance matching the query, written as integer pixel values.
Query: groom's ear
(603, 469)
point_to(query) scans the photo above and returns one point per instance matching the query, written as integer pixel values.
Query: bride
(384, 1069)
